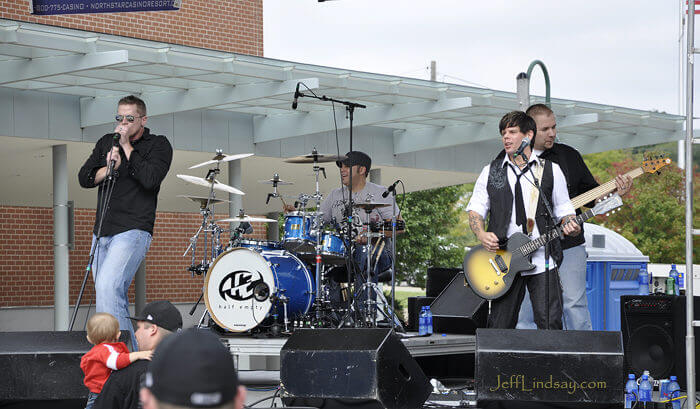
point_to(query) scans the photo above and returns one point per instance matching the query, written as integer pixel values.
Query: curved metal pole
(546, 79)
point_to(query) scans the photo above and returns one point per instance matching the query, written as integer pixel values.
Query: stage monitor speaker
(458, 309)
(653, 330)
(414, 306)
(437, 279)
(549, 366)
(43, 365)
(351, 367)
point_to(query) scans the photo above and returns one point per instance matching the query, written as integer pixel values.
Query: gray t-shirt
(333, 206)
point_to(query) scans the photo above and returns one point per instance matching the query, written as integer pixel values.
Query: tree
(431, 239)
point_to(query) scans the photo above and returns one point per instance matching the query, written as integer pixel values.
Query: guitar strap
(534, 195)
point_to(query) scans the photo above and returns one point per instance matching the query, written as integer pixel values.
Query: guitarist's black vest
(501, 202)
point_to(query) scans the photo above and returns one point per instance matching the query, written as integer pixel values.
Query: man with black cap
(157, 321)
(192, 369)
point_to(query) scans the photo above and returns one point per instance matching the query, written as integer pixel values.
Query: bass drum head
(237, 289)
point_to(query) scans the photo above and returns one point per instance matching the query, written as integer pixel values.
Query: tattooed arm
(487, 239)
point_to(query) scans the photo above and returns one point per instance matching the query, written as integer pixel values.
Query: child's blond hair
(102, 327)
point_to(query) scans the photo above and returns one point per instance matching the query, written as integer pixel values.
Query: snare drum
(241, 281)
(332, 248)
(297, 232)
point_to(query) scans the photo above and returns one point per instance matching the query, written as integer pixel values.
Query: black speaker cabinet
(653, 330)
(437, 279)
(363, 367)
(414, 306)
(549, 366)
(458, 309)
(43, 365)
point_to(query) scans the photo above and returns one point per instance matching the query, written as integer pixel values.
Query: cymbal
(370, 205)
(203, 200)
(246, 218)
(222, 157)
(276, 180)
(217, 185)
(314, 157)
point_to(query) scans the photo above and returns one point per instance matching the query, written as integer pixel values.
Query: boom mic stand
(107, 188)
(350, 108)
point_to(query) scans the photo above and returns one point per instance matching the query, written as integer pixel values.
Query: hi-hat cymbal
(217, 185)
(203, 200)
(370, 205)
(222, 157)
(314, 157)
(246, 218)
(278, 182)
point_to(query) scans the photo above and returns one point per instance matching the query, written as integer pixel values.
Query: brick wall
(225, 25)
(26, 257)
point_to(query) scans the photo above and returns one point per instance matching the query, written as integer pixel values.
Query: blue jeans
(572, 274)
(92, 397)
(116, 260)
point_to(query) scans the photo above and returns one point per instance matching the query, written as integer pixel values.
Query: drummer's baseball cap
(192, 369)
(353, 158)
(162, 313)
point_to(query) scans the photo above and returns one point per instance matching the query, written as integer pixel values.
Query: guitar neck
(532, 246)
(601, 190)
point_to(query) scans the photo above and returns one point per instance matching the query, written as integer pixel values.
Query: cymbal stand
(316, 227)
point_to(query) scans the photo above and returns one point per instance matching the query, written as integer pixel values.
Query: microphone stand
(549, 218)
(350, 108)
(107, 188)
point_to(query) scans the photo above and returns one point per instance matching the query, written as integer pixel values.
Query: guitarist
(500, 192)
(572, 270)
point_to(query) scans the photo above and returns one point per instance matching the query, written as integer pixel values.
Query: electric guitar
(491, 274)
(651, 165)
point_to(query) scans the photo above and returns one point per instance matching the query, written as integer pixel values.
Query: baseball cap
(353, 158)
(162, 313)
(193, 369)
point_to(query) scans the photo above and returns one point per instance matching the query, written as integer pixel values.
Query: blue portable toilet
(612, 270)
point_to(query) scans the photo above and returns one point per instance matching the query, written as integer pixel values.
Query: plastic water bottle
(680, 281)
(645, 389)
(674, 391)
(422, 322)
(631, 391)
(674, 275)
(643, 281)
(428, 320)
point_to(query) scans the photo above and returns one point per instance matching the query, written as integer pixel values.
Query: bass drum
(243, 285)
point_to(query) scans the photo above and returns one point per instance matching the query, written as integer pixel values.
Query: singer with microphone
(505, 194)
(128, 167)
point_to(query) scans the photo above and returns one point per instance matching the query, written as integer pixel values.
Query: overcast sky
(616, 52)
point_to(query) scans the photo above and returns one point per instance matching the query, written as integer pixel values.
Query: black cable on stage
(264, 399)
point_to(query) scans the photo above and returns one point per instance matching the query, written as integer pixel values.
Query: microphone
(391, 188)
(524, 144)
(296, 97)
(115, 138)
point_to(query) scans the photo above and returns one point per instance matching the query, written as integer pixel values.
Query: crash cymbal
(314, 157)
(203, 182)
(370, 205)
(222, 157)
(203, 200)
(246, 218)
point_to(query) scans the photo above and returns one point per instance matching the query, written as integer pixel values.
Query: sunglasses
(129, 118)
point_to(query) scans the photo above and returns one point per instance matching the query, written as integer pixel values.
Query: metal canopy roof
(423, 115)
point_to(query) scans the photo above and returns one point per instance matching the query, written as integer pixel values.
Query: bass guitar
(491, 274)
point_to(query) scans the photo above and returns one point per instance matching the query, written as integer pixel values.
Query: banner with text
(48, 7)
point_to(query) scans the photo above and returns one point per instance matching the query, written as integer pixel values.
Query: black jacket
(121, 391)
(135, 196)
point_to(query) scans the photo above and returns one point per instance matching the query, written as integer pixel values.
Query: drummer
(334, 208)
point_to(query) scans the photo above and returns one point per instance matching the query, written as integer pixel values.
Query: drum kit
(254, 286)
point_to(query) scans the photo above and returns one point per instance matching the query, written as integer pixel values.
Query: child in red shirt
(107, 355)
